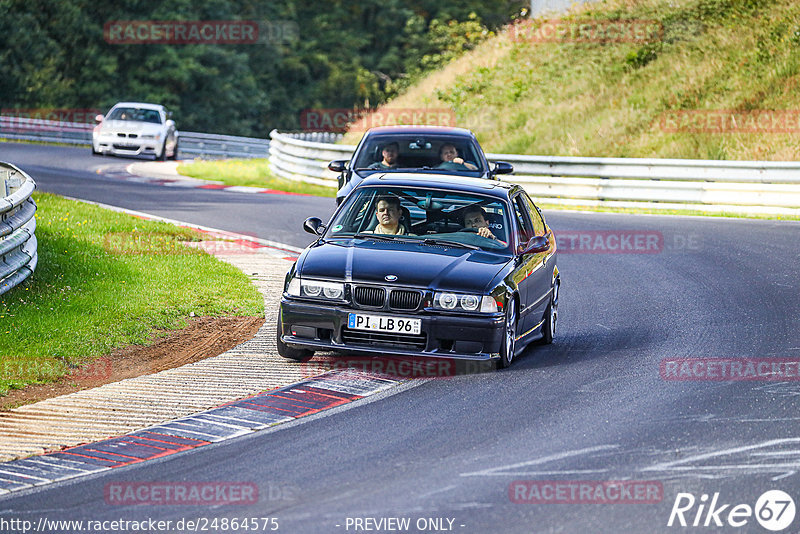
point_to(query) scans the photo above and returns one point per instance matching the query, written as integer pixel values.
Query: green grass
(250, 172)
(608, 99)
(106, 280)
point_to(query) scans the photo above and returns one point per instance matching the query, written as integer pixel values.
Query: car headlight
(464, 302)
(315, 289)
(148, 137)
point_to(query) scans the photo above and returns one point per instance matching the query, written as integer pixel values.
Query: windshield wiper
(447, 242)
(385, 237)
(379, 237)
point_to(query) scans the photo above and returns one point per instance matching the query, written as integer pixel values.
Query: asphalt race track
(592, 407)
(72, 172)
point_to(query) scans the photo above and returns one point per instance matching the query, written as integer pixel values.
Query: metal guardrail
(18, 251)
(71, 133)
(737, 186)
(211, 146)
(198, 144)
(744, 186)
(305, 158)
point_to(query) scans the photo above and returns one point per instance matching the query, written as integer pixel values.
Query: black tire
(551, 317)
(95, 152)
(509, 336)
(288, 352)
(174, 155)
(163, 155)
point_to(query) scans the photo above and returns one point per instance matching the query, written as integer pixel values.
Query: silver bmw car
(136, 128)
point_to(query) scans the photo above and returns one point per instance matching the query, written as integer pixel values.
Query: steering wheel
(471, 230)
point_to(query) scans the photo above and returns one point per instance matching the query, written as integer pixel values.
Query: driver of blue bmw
(388, 213)
(475, 217)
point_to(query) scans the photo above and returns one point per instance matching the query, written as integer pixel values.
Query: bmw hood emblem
(390, 277)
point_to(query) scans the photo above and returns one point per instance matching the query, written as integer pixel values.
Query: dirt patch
(202, 338)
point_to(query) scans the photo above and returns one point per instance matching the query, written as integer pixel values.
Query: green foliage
(713, 59)
(347, 54)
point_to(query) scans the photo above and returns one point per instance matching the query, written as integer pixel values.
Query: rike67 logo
(774, 510)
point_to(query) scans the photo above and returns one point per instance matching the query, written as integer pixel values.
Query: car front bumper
(111, 144)
(442, 335)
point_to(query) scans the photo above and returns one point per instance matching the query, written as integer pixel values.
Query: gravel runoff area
(132, 404)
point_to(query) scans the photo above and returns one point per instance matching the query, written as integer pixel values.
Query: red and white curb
(238, 418)
(145, 172)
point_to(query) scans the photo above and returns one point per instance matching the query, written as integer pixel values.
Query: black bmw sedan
(421, 265)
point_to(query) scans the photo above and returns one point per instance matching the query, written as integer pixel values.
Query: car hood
(414, 265)
(141, 128)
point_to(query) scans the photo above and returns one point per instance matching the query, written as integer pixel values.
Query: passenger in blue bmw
(389, 153)
(451, 161)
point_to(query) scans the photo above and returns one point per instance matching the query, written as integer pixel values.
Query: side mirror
(339, 165)
(99, 118)
(313, 225)
(538, 243)
(169, 114)
(502, 167)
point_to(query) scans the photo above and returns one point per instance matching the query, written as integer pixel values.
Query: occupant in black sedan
(451, 160)
(389, 153)
(475, 217)
(388, 213)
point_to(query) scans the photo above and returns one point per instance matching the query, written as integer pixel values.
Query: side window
(536, 218)
(523, 219)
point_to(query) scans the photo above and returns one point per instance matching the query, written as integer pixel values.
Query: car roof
(450, 182)
(143, 105)
(421, 129)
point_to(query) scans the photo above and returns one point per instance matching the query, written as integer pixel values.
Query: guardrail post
(12, 182)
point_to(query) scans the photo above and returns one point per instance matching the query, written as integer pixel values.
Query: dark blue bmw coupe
(416, 149)
(424, 265)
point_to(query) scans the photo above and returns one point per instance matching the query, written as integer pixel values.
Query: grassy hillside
(610, 99)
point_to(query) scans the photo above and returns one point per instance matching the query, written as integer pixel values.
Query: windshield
(425, 215)
(414, 151)
(135, 114)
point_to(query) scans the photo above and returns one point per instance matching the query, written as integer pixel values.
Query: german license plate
(382, 323)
